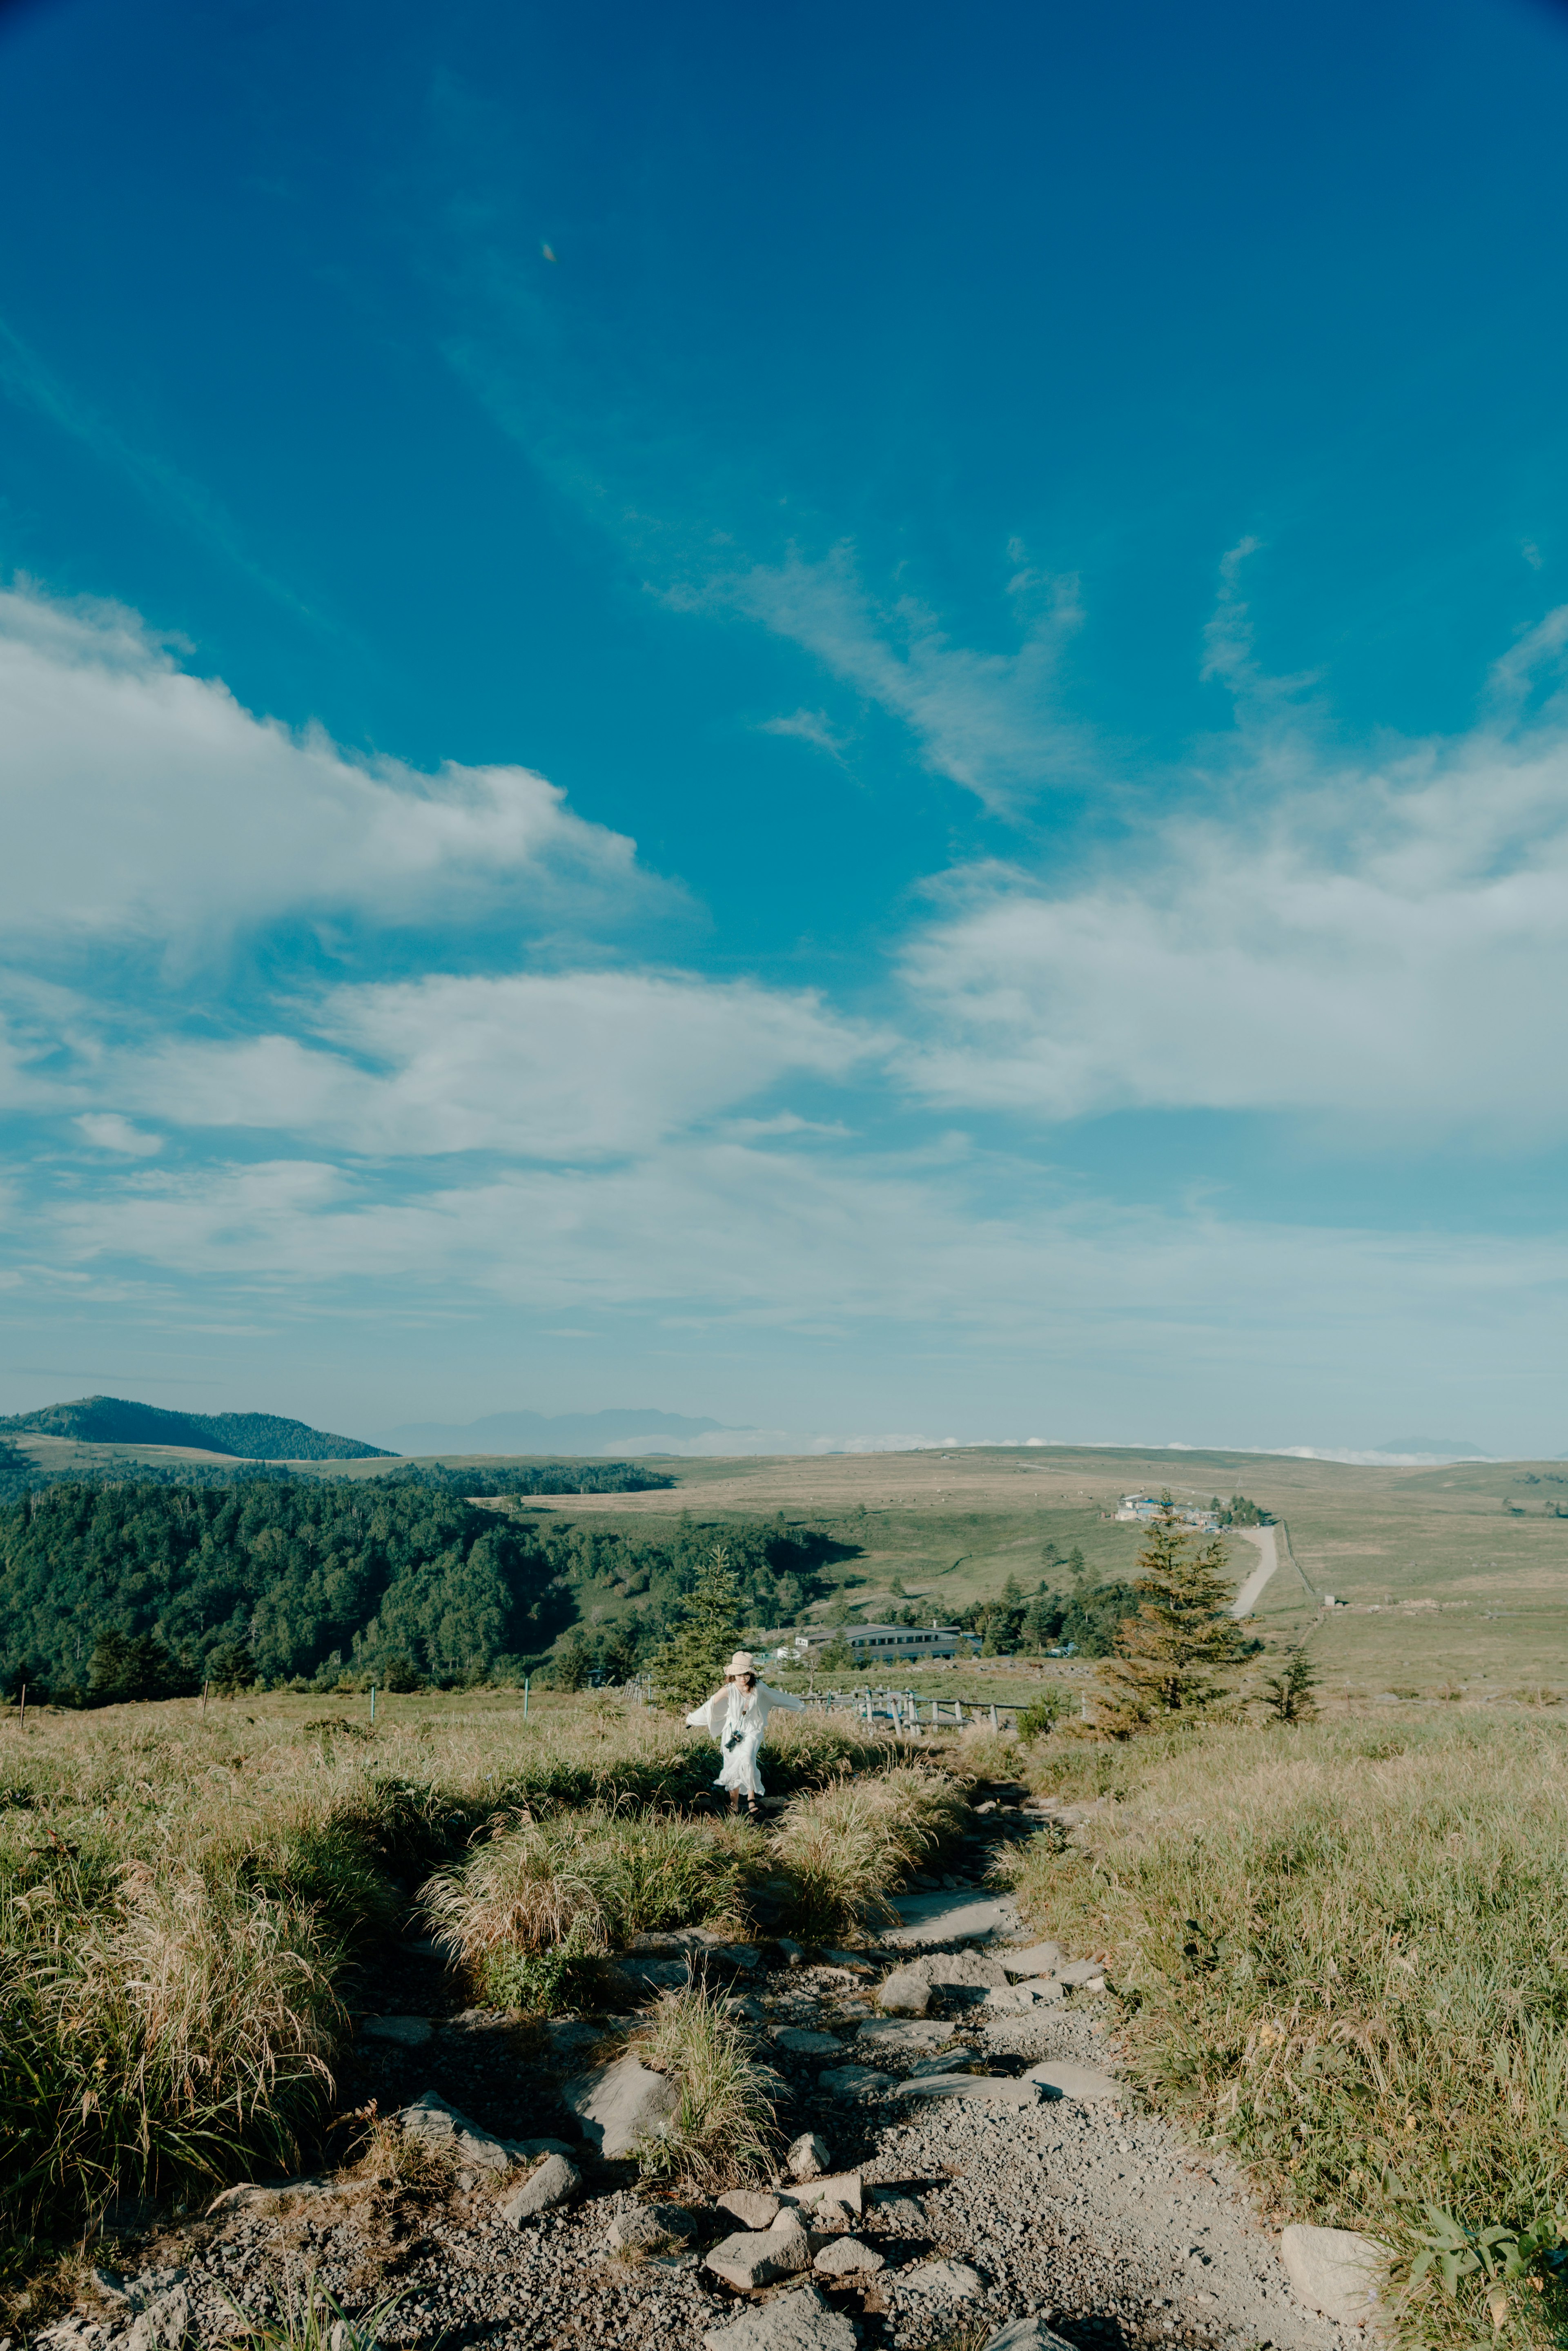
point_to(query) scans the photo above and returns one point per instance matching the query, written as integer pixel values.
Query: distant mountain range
(249, 1436)
(562, 1432)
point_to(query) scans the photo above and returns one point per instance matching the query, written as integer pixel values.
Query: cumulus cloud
(538, 1065)
(143, 803)
(1387, 942)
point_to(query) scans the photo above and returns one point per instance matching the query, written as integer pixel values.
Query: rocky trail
(964, 2164)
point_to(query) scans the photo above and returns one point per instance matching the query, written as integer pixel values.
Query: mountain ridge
(243, 1436)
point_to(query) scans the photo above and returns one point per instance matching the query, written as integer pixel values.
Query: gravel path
(1103, 2222)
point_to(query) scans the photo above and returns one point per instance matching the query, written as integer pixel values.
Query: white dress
(737, 1719)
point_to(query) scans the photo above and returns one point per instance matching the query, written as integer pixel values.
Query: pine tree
(690, 1667)
(1289, 1694)
(1164, 1658)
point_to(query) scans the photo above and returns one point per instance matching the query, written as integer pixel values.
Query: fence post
(958, 1710)
(994, 1724)
(527, 1678)
(373, 1705)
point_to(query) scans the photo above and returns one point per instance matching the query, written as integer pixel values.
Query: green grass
(1343, 1952)
(722, 2132)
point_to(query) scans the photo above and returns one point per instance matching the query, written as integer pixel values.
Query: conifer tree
(1164, 1657)
(690, 1667)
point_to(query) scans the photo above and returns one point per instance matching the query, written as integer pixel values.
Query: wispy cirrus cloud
(993, 723)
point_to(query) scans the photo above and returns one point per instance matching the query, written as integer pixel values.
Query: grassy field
(1341, 1949)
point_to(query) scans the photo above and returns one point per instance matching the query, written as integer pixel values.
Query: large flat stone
(800, 2321)
(617, 2106)
(950, 1919)
(750, 2206)
(407, 2031)
(905, 1993)
(848, 2259)
(913, 2036)
(1059, 2077)
(798, 2041)
(1039, 1959)
(851, 2081)
(1081, 1972)
(1336, 2271)
(432, 2120)
(990, 2089)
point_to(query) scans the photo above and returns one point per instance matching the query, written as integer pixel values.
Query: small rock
(834, 2187)
(800, 2321)
(409, 2032)
(619, 2104)
(749, 2259)
(991, 2089)
(163, 2324)
(800, 2044)
(1336, 2271)
(110, 2284)
(1081, 1972)
(943, 2280)
(648, 2228)
(897, 2212)
(1041, 1989)
(1059, 2077)
(1039, 1959)
(856, 1962)
(555, 2182)
(747, 2007)
(833, 2215)
(438, 2123)
(808, 2155)
(1026, 2335)
(1005, 1999)
(851, 2081)
(750, 2207)
(905, 1993)
(848, 2258)
(795, 1953)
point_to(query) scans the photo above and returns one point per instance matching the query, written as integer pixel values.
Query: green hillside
(250, 1436)
(141, 1590)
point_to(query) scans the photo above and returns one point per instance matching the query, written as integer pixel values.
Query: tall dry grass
(846, 1847)
(1345, 1953)
(165, 2036)
(722, 2132)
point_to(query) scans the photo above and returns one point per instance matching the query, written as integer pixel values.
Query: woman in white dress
(736, 1715)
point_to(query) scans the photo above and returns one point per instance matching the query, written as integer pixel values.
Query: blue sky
(854, 722)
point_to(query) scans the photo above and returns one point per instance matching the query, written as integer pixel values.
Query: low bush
(722, 2132)
(846, 1847)
(577, 1883)
(176, 2033)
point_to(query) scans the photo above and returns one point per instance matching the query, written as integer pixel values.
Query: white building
(873, 1645)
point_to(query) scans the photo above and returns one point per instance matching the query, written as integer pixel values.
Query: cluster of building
(1144, 1507)
(870, 1643)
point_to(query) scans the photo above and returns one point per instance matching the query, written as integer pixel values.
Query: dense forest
(139, 1589)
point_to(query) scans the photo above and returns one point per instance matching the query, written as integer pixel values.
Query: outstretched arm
(701, 1716)
(776, 1697)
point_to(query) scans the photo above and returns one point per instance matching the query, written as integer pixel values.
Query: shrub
(845, 1848)
(722, 2131)
(578, 1881)
(181, 2032)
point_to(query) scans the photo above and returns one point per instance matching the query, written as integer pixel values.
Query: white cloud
(812, 726)
(992, 721)
(108, 1132)
(142, 802)
(547, 1066)
(1387, 942)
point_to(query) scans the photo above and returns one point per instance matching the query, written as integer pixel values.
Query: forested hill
(144, 1590)
(252, 1435)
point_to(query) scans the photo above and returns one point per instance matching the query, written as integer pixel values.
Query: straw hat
(743, 1662)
